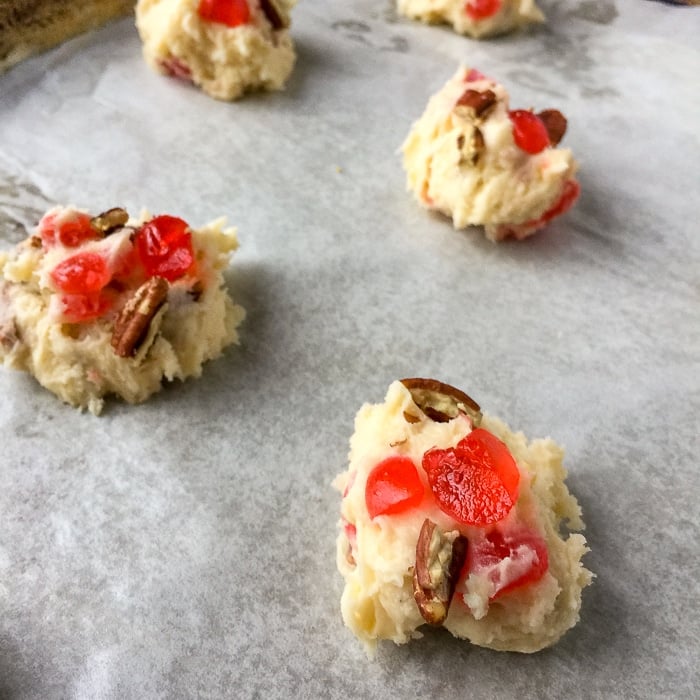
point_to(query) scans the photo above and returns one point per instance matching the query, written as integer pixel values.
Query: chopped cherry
(510, 560)
(475, 482)
(176, 68)
(482, 9)
(232, 13)
(529, 131)
(78, 308)
(164, 245)
(82, 273)
(66, 227)
(473, 75)
(392, 487)
(569, 195)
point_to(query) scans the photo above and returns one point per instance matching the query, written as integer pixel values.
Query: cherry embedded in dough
(164, 245)
(526, 552)
(482, 9)
(68, 228)
(232, 13)
(393, 486)
(529, 131)
(82, 273)
(476, 482)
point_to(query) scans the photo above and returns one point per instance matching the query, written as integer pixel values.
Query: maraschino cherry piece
(476, 482)
(232, 13)
(529, 131)
(482, 9)
(392, 487)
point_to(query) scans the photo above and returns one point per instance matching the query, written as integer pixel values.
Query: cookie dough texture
(377, 602)
(510, 15)
(76, 361)
(225, 62)
(468, 166)
(28, 27)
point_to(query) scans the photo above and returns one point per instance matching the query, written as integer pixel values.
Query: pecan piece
(274, 16)
(439, 560)
(109, 221)
(481, 102)
(133, 325)
(555, 123)
(8, 326)
(442, 402)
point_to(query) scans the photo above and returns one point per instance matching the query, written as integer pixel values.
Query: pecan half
(109, 221)
(274, 16)
(555, 123)
(439, 560)
(442, 402)
(131, 329)
(481, 102)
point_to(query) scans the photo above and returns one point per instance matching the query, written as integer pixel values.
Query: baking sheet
(185, 547)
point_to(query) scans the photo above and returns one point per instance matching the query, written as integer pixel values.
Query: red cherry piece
(164, 245)
(473, 75)
(393, 486)
(82, 273)
(175, 68)
(529, 131)
(69, 228)
(475, 482)
(482, 9)
(232, 13)
(527, 557)
(78, 308)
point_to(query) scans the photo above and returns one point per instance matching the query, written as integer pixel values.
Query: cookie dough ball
(226, 47)
(27, 28)
(93, 306)
(451, 519)
(475, 18)
(474, 159)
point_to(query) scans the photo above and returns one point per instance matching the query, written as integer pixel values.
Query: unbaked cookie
(474, 159)
(93, 306)
(26, 28)
(226, 47)
(451, 519)
(476, 18)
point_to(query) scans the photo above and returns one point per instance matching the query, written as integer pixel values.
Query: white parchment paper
(185, 548)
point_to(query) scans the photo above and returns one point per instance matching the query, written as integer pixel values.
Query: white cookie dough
(81, 346)
(475, 18)
(224, 61)
(463, 160)
(26, 28)
(378, 557)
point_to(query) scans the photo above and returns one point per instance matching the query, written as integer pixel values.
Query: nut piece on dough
(477, 161)
(93, 306)
(226, 47)
(475, 18)
(420, 492)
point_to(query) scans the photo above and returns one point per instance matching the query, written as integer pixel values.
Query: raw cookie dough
(226, 47)
(26, 28)
(107, 305)
(444, 523)
(476, 18)
(472, 158)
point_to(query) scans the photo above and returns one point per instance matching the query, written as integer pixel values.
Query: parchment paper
(185, 548)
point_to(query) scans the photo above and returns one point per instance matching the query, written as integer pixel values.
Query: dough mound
(461, 159)
(504, 16)
(27, 28)
(84, 347)
(377, 557)
(223, 61)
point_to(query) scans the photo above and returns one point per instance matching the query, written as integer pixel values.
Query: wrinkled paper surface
(185, 547)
